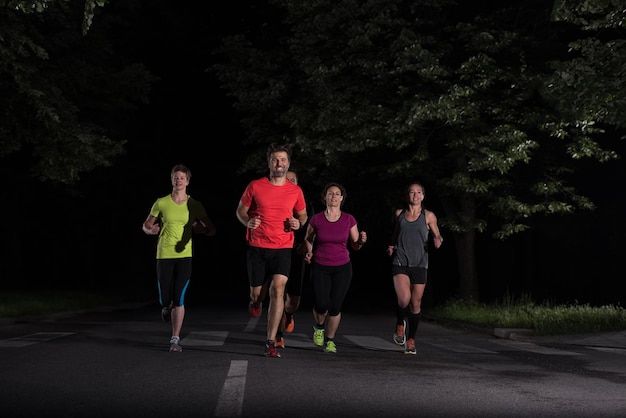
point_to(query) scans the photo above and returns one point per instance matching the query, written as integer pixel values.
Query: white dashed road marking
(230, 402)
(374, 343)
(205, 338)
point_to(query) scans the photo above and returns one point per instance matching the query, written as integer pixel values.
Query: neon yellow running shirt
(175, 234)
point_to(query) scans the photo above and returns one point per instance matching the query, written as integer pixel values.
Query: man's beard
(276, 173)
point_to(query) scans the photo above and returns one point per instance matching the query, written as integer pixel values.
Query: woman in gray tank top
(409, 263)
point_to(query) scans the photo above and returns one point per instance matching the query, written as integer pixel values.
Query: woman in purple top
(331, 268)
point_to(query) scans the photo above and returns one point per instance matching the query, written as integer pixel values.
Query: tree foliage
(64, 95)
(590, 85)
(39, 6)
(461, 96)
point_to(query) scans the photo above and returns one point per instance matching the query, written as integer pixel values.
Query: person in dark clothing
(299, 270)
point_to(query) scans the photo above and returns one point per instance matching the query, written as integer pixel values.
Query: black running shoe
(166, 313)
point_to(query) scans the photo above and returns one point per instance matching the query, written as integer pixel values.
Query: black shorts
(417, 275)
(263, 263)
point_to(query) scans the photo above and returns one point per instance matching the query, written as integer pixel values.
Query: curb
(513, 333)
(505, 333)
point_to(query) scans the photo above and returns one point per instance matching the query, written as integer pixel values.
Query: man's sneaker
(280, 341)
(175, 345)
(270, 349)
(399, 337)
(255, 310)
(166, 313)
(318, 337)
(289, 326)
(330, 347)
(410, 347)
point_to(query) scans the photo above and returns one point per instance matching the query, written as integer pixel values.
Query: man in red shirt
(271, 208)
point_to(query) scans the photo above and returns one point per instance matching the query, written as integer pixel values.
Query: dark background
(90, 237)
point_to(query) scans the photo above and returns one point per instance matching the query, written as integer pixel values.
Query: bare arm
(357, 239)
(242, 215)
(302, 217)
(431, 221)
(298, 220)
(308, 242)
(149, 227)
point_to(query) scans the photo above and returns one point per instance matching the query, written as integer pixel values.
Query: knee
(320, 310)
(277, 292)
(415, 307)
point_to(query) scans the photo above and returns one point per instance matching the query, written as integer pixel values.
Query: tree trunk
(465, 245)
(465, 252)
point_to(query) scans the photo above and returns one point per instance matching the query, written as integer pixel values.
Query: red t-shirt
(273, 204)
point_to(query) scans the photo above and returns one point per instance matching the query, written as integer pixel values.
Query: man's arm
(302, 216)
(242, 213)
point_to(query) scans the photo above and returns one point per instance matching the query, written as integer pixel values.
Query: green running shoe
(318, 337)
(330, 347)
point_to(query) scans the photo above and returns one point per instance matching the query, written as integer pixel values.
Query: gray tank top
(412, 246)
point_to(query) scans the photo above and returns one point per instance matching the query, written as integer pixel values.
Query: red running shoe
(255, 310)
(270, 349)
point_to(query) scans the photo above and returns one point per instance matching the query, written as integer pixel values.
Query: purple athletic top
(332, 239)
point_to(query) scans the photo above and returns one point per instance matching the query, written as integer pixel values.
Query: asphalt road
(117, 364)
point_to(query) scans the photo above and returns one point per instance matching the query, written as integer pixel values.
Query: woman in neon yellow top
(175, 218)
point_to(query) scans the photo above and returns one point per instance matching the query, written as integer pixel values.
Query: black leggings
(330, 287)
(173, 275)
